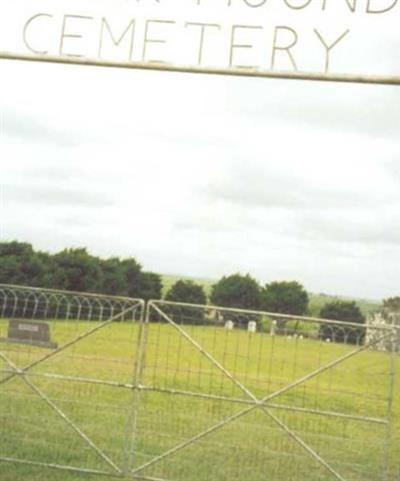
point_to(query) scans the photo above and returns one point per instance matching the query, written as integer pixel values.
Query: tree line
(76, 269)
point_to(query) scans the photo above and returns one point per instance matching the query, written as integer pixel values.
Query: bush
(242, 292)
(344, 311)
(190, 293)
(285, 298)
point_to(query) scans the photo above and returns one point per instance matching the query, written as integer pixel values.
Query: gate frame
(137, 385)
(391, 332)
(126, 305)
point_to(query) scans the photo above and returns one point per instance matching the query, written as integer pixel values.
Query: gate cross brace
(178, 392)
(61, 414)
(258, 403)
(70, 343)
(22, 373)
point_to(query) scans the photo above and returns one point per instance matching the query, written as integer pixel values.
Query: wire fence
(182, 392)
(60, 397)
(255, 395)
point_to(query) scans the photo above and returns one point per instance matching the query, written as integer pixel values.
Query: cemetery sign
(344, 40)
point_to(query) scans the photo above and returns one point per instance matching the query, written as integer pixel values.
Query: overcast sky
(207, 176)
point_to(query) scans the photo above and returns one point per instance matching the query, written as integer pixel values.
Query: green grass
(253, 448)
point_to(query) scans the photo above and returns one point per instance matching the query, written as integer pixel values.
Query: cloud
(392, 167)
(369, 111)
(287, 183)
(367, 230)
(22, 124)
(53, 197)
(206, 175)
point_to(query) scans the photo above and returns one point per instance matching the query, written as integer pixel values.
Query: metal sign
(294, 39)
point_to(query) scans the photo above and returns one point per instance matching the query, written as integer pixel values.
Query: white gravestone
(375, 334)
(252, 326)
(229, 325)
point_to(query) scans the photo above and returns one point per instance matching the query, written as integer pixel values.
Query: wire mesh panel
(191, 393)
(67, 364)
(232, 395)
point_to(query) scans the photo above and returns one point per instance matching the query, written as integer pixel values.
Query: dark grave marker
(34, 333)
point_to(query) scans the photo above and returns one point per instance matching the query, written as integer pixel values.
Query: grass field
(132, 427)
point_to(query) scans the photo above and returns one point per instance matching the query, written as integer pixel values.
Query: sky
(208, 176)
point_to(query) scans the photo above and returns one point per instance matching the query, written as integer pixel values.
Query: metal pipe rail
(393, 80)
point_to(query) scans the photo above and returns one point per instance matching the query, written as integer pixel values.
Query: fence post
(131, 427)
(392, 352)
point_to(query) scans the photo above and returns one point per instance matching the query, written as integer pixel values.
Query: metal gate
(69, 406)
(233, 395)
(193, 393)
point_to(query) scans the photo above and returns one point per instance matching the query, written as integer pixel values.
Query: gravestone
(252, 327)
(377, 337)
(29, 332)
(229, 325)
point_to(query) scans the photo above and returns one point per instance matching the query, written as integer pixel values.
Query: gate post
(131, 426)
(392, 352)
